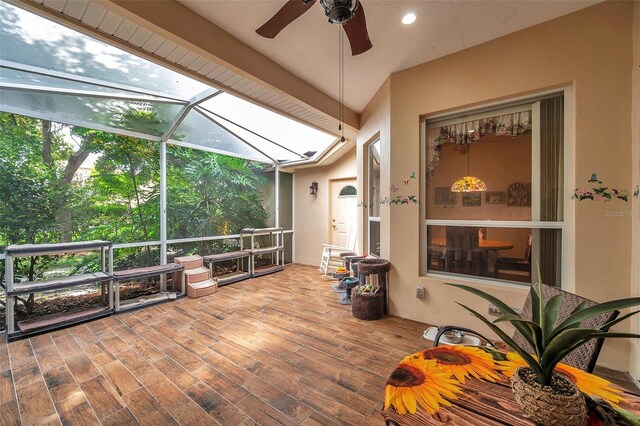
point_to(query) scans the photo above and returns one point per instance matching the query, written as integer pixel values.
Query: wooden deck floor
(272, 350)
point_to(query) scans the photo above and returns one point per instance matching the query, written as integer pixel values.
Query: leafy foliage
(46, 197)
(551, 341)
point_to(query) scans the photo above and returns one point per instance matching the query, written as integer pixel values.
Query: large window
(512, 220)
(374, 199)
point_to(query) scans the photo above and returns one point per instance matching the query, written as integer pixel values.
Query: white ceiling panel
(76, 8)
(125, 30)
(110, 22)
(140, 36)
(94, 14)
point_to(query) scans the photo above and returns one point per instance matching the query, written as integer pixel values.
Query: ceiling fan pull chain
(341, 88)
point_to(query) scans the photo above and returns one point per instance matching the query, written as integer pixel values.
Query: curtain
(467, 132)
(551, 185)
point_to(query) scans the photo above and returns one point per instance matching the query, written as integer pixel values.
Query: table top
(484, 244)
(483, 403)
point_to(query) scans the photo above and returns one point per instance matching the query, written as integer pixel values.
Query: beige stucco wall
(634, 367)
(311, 213)
(376, 125)
(589, 51)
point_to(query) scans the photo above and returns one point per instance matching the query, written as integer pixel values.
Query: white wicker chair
(331, 253)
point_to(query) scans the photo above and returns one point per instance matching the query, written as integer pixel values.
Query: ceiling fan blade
(291, 11)
(356, 30)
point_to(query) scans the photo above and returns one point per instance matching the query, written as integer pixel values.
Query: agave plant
(550, 341)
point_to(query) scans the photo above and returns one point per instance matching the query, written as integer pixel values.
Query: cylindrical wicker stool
(368, 307)
(380, 267)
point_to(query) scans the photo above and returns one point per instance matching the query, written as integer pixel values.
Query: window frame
(370, 218)
(567, 225)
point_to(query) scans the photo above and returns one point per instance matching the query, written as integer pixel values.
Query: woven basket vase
(546, 408)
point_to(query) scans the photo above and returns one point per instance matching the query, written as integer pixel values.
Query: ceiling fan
(348, 13)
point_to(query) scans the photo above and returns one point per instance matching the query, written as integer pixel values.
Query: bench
(128, 275)
(238, 274)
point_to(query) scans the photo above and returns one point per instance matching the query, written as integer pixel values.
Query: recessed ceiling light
(409, 18)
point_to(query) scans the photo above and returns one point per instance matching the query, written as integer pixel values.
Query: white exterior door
(343, 212)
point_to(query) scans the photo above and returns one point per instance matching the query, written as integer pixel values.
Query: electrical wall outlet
(420, 292)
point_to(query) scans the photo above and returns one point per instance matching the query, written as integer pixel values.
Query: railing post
(163, 212)
(10, 300)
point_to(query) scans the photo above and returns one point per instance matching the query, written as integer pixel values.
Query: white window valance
(467, 132)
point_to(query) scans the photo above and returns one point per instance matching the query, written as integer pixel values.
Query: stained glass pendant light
(468, 183)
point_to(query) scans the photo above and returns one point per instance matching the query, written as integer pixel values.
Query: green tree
(212, 194)
(30, 190)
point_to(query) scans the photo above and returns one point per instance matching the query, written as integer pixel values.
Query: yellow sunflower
(423, 383)
(593, 386)
(462, 362)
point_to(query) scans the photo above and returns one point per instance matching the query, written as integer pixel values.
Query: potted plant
(547, 396)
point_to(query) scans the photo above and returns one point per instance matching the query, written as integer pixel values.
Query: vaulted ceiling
(309, 46)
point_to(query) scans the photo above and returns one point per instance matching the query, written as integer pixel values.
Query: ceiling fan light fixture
(339, 11)
(409, 18)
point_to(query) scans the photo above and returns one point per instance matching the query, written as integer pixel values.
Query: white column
(163, 212)
(279, 235)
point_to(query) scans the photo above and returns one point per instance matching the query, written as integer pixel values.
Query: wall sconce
(313, 189)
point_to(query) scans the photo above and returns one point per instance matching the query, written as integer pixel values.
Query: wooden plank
(120, 418)
(446, 415)
(41, 341)
(335, 410)
(192, 415)
(49, 357)
(147, 409)
(67, 346)
(98, 354)
(20, 353)
(232, 255)
(60, 383)
(114, 343)
(176, 373)
(7, 392)
(20, 250)
(9, 413)
(167, 394)
(278, 399)
(81, 367)
(146, 272)
(494, 401)
(102, 397)
(83, 335)
(183, 357)
(217, 381)
(119, 377)
(35, 404)
(75, 410)
(263, 413)
(62, 319)
(56, 283)
(213, 403)
(26, 375)
(340, 394)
